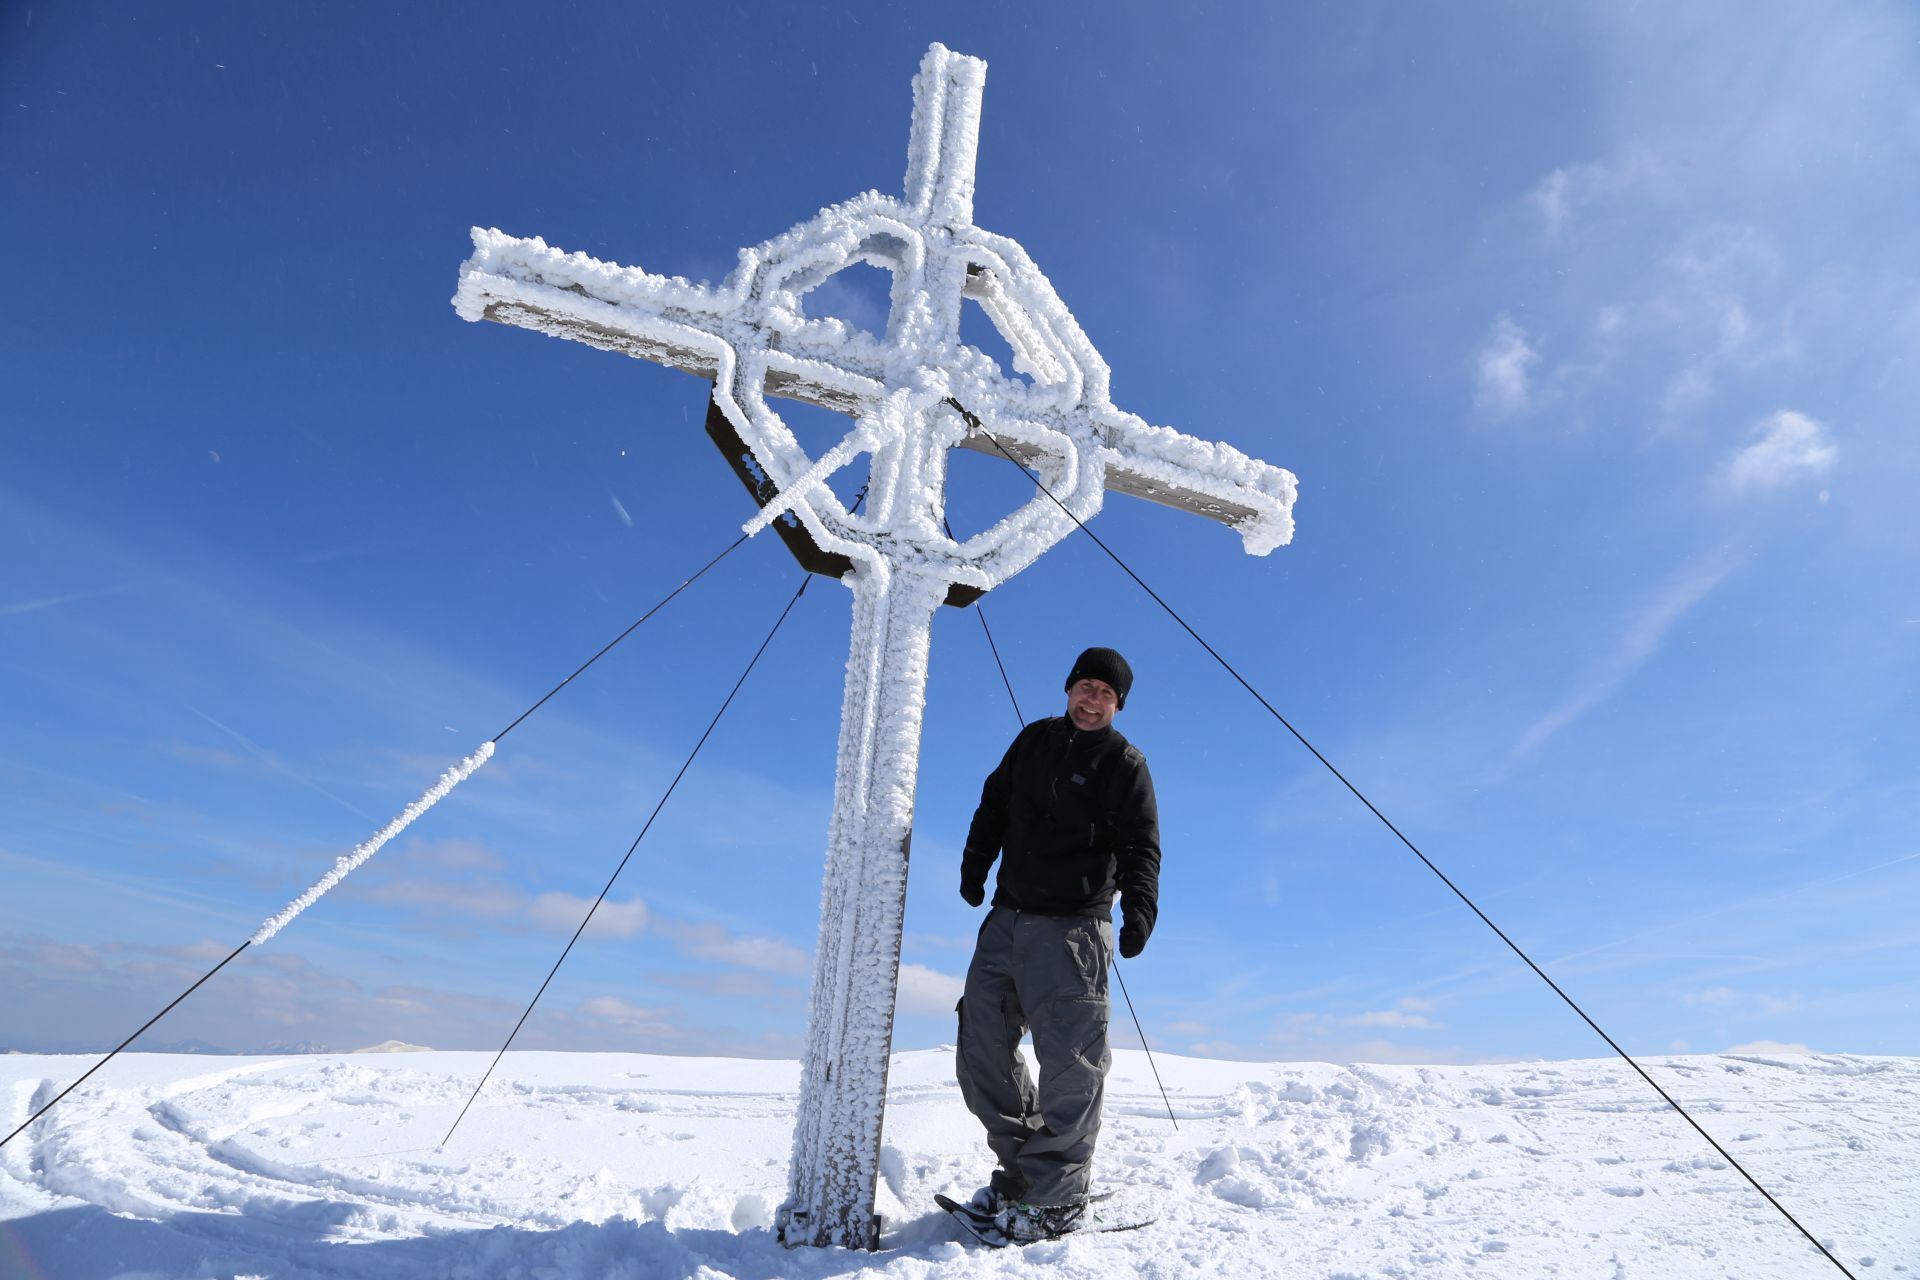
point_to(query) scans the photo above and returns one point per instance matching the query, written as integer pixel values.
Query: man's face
(1091, 704)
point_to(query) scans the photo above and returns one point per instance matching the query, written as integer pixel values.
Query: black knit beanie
(1103, 664)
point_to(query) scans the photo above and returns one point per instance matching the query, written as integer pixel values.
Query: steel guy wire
(667, 795)
(1173, 613)
(623, 635)
(1141, 1031)
(271, 926)
(124, 1043)
(687, 764)
(1017, 713)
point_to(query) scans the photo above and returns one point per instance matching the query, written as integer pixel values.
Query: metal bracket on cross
(911, 396)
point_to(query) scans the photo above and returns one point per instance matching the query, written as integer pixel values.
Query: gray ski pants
(1047, 973)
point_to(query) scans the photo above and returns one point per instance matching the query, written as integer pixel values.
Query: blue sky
(1592, 332)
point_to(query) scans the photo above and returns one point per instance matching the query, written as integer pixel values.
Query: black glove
(1133, 939)
(974, 891)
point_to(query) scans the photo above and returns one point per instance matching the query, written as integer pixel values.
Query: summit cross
(911, 396)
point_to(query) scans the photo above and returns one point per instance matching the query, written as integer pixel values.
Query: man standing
(1071, 815)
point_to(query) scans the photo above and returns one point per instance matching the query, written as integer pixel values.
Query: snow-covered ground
(584, 1166)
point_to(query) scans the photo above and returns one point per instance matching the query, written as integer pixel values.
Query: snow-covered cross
(911, 396)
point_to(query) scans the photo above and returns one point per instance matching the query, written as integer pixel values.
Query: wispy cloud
(1720, 298)
(51, 602)
(563, 912)
(274, 762)
(490, 899)
(1639, 638)
(1407, 1014)
(658, 1023)
(1501, 366)
(1561, 196)
(858, 295)
(1326, 1041)
(1394, 1018)
(76, 998)
(454, 855)
(706, 941)
(497, 901)
(1770, 1047)
(924, 990)
(1744, 1002)
(1781, 448)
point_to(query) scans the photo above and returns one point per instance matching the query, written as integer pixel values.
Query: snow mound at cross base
(626, 1166)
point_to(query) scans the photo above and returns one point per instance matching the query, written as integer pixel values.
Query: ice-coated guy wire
(273, 924)
(1457, 891)
(367, 848)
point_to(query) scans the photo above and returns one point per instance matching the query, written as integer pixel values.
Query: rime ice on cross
(911, 396)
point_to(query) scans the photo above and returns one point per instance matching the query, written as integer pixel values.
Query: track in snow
(583, 1166)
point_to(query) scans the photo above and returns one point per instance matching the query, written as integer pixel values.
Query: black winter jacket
(1074, 814)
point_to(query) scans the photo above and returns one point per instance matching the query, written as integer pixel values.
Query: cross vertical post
(836, 1142)
(911, 397)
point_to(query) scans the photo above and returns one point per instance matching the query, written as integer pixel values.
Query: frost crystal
(367, 848)
(912, 395)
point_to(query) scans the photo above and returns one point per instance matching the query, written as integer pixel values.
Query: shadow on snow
(91, 1243)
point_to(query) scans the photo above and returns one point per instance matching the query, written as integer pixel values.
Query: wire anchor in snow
(366, 849)
(1431, 866)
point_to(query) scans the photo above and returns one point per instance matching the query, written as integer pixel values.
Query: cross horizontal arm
(662, 319)
(1155, 486)
(682, 356)
(704, 330)
(1162, 465)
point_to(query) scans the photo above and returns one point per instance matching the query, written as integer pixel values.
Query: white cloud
(630, 1017)
(1379, 1051)
(1710, 288)
(1782, 448)
(1501, 366)
(1393, 1018)
(1323, 1030)
(1554, 197)
(486, 898)
(563, 912)
(1639, 639)
(857, 294)
(559, 912)
(1408, 1013)
(493, 899)
(1562, 194)
(712, 942)
(732, 983)
(1769, 1046)
(454, 855)
(1743, 1001)
(924, 990)
(1688, 389)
